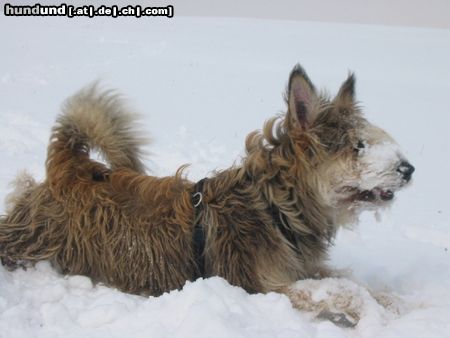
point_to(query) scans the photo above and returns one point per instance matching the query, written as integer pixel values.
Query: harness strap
(279, 222)
(199, 237)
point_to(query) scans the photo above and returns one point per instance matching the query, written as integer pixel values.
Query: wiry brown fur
(135, 232)
(112, 224)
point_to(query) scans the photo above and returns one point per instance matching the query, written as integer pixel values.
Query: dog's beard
(351, 201)
(352, 197)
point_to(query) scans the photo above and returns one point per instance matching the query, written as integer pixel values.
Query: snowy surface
(202, 85)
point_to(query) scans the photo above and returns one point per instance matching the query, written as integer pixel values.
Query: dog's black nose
(406, 169)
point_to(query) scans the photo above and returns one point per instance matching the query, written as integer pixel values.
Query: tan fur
(125, 229)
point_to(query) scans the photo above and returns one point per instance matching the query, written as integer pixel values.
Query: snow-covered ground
(202, 85)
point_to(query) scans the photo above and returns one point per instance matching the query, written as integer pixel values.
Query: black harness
(279, 221)
(199, 237)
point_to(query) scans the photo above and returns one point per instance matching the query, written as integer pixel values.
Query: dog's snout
(406, 169)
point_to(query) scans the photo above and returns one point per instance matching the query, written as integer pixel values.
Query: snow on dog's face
(358, 165)
(368, 171)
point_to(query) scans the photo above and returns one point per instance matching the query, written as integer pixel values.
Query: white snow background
(202, 84)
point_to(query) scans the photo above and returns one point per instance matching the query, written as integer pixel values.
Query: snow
(202, 84)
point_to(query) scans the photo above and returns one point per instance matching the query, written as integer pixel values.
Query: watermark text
(87, 10)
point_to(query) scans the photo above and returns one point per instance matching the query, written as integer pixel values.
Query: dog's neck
(289, 198)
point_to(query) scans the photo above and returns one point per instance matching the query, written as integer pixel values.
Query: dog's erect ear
(346, 93)
(301, 95)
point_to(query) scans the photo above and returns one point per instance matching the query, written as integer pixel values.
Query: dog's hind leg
(28, 232)
(23, 242)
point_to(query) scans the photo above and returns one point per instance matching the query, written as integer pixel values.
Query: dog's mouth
(376, 194)
(370, 196)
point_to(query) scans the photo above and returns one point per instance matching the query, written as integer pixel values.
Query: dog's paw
(338, 319)
(8, 263)
(11, 264)
(339, 300)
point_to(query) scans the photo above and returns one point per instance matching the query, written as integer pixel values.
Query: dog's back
(112, 222)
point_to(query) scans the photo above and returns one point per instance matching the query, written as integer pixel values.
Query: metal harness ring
(200, 198)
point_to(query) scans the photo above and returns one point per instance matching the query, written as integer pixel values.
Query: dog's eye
(360, 145)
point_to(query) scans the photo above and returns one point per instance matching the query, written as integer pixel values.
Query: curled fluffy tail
(95, 120)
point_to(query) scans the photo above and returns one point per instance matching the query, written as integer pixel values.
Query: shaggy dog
(261, 225)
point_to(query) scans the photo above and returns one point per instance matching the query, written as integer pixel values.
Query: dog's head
(357, 165)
